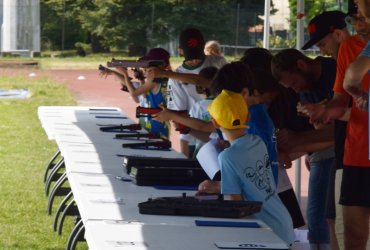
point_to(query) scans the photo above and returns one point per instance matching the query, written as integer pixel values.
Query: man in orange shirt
(329, 45)
(355, 194)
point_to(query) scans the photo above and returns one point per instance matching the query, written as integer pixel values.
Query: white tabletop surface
(109, 206)
(120, 235)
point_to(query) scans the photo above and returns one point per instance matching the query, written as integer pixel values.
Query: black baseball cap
(192, 43)
(323, 24)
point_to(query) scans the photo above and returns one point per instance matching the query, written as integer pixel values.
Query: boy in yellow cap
(245, 166)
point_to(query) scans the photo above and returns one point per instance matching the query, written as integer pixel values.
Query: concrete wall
(20, 26)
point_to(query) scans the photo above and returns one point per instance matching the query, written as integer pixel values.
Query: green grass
(24, 152)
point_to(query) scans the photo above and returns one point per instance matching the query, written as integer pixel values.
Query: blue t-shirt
(245, 170)
(261, 124)
(155, 100)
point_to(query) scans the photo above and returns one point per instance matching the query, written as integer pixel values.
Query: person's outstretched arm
(193, 123)
(195, 79)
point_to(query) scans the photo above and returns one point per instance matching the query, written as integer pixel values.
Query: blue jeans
(318, 229)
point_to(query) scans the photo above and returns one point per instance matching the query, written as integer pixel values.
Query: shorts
(291, 203)
(355, 189)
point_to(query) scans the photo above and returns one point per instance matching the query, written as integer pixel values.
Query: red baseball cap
(157, 54)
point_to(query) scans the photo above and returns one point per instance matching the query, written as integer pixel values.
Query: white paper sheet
(250, 245)
(208, 158)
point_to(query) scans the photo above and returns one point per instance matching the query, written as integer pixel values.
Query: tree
(129, 23)
(214, 20)
(140, 24)
(147, 23)
(313, 8)
(59, 29)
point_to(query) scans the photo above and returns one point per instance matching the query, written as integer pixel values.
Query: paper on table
(118, 200)
(284, 181)
(218, 223)
(301, 235)
(137, 245)
(250, 245)
(94, 185)
(110, 117)
(208, 158)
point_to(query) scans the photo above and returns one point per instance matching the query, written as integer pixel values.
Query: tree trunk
(96, 45)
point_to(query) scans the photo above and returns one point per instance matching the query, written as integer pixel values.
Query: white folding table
(108, 206)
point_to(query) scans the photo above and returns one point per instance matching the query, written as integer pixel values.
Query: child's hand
(164, 115)
(222, 144)
(138, 75)
(122, 70)
(105, 73)
(319, 125)
(284, 160)
(209, 187)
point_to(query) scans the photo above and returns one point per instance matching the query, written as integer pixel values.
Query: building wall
(279, 21)
(20, 25)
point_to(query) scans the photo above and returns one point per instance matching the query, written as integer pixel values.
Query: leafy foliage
(117, 24)
(54, 15)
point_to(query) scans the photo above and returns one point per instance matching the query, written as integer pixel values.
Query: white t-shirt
(182, 96)
(200, 111)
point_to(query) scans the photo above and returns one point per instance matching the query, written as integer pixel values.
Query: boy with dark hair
(238, 77)
(234, 77)
(181, 95)
(261, 124)
(245, 166)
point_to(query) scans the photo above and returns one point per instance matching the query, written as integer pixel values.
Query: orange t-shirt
(356, 147)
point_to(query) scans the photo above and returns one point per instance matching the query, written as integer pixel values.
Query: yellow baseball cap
(229, 110)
